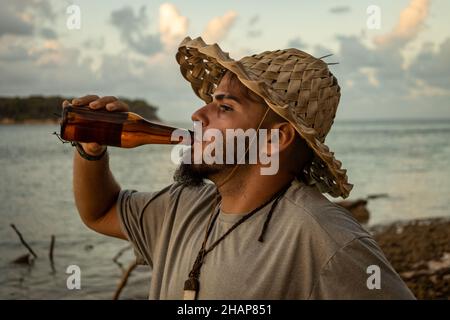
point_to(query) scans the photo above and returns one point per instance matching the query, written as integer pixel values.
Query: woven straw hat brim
(203, 66)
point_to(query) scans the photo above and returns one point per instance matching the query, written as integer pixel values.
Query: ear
(286, 136)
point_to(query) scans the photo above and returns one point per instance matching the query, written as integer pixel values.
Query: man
(247, 235)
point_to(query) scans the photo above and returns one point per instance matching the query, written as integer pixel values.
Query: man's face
(232, 108)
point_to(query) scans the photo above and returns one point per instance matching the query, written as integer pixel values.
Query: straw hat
(296, 85)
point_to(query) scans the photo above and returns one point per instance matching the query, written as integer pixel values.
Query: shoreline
(8, 121)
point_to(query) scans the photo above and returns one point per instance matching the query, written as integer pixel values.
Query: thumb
(65, 103)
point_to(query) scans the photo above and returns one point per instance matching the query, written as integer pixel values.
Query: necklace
(192, 284)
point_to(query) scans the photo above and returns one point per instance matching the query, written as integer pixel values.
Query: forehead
(231, 84)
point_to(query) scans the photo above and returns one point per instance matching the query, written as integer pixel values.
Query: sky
(394, 58)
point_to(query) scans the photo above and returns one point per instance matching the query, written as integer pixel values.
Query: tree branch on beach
(124, 280)
(50, 253)
(22, 240)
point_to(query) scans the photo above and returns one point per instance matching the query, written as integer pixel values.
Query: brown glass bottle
(118, 129)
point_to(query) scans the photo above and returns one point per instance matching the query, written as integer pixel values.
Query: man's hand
(95, 189)
(94, 102)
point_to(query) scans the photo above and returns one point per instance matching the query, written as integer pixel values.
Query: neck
(247, 189)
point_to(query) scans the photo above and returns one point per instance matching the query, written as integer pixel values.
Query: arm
(95, 189)
(347, 275)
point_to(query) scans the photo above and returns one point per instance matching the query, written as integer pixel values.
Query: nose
(201, 114)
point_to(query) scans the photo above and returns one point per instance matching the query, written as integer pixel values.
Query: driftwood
(126, 273)
(29, 257)
(24, 259)
(50, 253)
(124, 280)
(22, 240)
(358, 207)
(377, 195)
(118, 255)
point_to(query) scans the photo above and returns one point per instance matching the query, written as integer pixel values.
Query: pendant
(191, 287)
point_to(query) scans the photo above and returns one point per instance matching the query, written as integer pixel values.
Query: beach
(419, 251)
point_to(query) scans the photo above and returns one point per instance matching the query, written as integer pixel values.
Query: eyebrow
(222, 96)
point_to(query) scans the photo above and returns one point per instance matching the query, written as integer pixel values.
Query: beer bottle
(117, 129)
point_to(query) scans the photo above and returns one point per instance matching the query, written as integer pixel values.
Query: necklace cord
(194, 274)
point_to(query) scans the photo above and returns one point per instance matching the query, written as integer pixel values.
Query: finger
(65, 103)
(102, 102)
(84, 100)
(117, 106)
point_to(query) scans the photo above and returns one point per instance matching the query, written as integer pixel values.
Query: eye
(224, 107)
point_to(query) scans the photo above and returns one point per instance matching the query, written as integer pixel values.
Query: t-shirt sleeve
(358, 271)
(141, 215)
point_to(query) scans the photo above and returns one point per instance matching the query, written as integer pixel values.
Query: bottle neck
(136, 132)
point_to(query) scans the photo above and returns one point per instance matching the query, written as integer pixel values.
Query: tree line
(21, 109)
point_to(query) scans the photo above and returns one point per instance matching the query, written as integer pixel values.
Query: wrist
(89, 156)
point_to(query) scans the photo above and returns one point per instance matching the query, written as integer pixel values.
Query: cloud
(24, 17)
(371, 74)
(423, 89)
(12, 52)
(52, 68)
(40, 8)
(36, 8)
(297, 43)
(433, 66)
(52, 54)
(340, 9)
(94, 43)
(409, 25)
(14, 23)
(172, 29)
(375, 81)
(48, 33)
(132, 30)
(379, 66)
(45, 9)
(327, 55)
(253, 20)
(254, 33)
(172, 25)
(217, 28)
(46, 67)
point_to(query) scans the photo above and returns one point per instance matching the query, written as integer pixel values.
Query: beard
(194, 175)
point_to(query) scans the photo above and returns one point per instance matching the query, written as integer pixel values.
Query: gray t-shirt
(312, 249)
